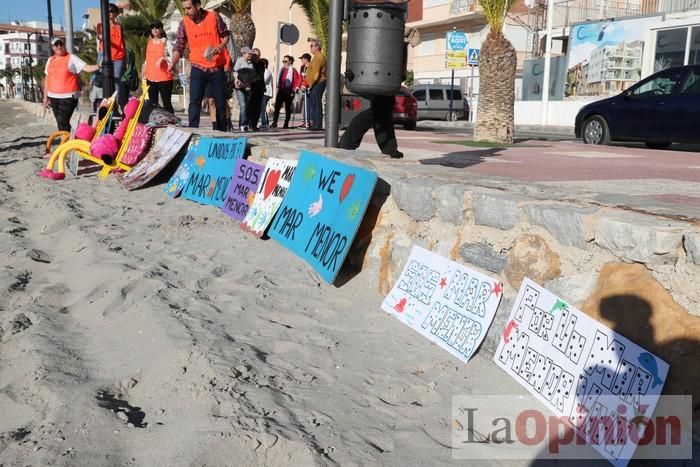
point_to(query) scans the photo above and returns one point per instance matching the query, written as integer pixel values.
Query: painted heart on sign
(347, 184)
(272, 178)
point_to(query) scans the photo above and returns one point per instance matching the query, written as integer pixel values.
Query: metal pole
(452, 90)
(107, 64)
(68, 13)
(335, 31)
(50, 18)
(31, 71)
(277, 52)
(547, 64)
(471, 93)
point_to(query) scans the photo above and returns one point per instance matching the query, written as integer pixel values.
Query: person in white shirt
(62, 83)
(267, 78)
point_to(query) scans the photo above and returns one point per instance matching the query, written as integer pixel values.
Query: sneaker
(286, 127)
(274, 125)
(396, 155)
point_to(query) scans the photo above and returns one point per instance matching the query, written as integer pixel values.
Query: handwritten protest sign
(246, 177)
(444, 301)
(272, 189)
(213, 166)
(320, 215)
(178, 180)
(592, 376)
(168, 144)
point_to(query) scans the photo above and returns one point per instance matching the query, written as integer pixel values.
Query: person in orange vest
(155, 68)
(62, 85)
(207, 36)
(117, 51)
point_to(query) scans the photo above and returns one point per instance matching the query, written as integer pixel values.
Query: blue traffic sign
(457, 41)
(473, 57)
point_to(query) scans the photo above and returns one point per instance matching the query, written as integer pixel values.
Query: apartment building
(612, 69)
(18, 43)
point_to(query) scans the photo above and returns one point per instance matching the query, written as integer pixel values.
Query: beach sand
(140, 330)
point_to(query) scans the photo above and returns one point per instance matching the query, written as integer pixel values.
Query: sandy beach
(140, 330)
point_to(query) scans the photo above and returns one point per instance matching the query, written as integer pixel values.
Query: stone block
(563, 222)
(483, 256)
(496, 210)
(691, 243)
(449, 200)
(640, 238)
(531, 257)
(574, 289)
(414, 196)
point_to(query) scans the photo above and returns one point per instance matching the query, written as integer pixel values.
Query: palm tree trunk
(497, 65)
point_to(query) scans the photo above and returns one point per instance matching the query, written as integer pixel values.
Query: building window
(427, 46)
(670, 48)
(694, 57)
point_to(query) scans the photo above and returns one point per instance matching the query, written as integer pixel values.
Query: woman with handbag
(156, 68)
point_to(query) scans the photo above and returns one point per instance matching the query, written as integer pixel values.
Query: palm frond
(495, 12)
(317, 13)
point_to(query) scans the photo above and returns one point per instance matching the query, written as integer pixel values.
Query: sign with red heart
(273, 187)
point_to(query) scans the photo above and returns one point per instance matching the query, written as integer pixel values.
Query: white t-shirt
(268, 83)
(75, 65)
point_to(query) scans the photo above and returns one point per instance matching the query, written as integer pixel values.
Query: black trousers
(254, 105)
(63, 111)
(165, 90)
(286, 98)
(379, 117)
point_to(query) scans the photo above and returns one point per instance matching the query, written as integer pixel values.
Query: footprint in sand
(131, 415)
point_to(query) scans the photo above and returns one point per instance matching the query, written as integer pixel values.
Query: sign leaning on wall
(322, 211)
(445, 302)
(581, 370)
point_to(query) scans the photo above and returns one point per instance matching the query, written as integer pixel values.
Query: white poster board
(444, 301)
(580, 369)
(273, 187)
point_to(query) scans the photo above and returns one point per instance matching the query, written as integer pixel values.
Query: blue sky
(35, 10)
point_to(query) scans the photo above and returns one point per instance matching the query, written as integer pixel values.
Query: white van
(434, 102)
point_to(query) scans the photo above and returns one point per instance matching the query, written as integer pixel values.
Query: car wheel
(451, 116)
(595, 131)
(409, 126)
(658, 144)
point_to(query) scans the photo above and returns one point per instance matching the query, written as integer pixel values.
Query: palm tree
(152, 10)
(242, 25)
(317, 14)
(497, 63)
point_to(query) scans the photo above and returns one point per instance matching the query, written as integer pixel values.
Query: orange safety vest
(59, 79)
(200, 37)
(116, 41)
(156, 69)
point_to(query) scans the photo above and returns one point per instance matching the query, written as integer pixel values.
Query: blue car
(661, 109)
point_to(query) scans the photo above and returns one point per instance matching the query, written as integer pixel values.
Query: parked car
(405, 111)
(661, 109)
(434, 102)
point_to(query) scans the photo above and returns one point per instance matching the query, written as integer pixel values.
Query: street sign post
(455, 59)
(473, 56)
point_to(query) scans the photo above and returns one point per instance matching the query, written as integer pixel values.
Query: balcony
(568, 12)
(448, 13)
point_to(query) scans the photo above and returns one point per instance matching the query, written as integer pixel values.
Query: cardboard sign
(320, 215)
(580, 369)
(169, 143)
(272, 189)
(444, 301)
(246, 178)
(212, 170)
(178, 180)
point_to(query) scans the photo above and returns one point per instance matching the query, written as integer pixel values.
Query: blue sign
(322, 211)
(457, 41)
(212, 169)
(473, 57)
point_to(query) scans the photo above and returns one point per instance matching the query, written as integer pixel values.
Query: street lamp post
(31, 72)
(48, 8)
